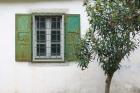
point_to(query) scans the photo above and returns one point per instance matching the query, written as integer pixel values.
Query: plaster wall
(26, 77)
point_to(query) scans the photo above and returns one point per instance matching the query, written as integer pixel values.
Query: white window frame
(48, 58)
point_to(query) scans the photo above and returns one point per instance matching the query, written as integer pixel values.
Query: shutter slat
(23, 37)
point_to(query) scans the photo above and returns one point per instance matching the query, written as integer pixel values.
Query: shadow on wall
(22, 1)
(50, 64)
(122, 89)
(136, 90)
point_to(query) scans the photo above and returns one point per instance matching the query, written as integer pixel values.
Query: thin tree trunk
(108, 82)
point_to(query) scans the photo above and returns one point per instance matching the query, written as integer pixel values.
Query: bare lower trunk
(108, 82)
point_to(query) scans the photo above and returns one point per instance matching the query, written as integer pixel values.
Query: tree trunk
(108, 82)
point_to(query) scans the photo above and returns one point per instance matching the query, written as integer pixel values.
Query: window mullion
(48, 26)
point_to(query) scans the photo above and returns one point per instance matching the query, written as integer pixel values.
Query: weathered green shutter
(23, 37)
(72, 36)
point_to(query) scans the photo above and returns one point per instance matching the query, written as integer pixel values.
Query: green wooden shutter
(72, 36)
(23, 37)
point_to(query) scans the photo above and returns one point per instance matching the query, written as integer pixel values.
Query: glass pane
(41, 36)
(54, 32)
(58, 19)
(38, 47)
(42, 18)
(55, 36)
(58, 49)
(55, 49)
(42, 25)
(40, 22)
(58, 36)
(37, 21)
(41, 49)
(53, 26)
(58, 25)
(54, 19)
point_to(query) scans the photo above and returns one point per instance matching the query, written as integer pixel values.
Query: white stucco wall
(25, 77)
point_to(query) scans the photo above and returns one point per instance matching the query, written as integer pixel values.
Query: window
(48, 38)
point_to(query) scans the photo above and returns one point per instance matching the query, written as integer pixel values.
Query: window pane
(42, 18)
(53, 25)
(40, 22)
(37, 21)
(58, 22)
(42, 25)
(54, 19)
(41, 36)
(58, 49)
(58, 36)
(55, 49)
(41, 49)
(58, 25)
(55, 36)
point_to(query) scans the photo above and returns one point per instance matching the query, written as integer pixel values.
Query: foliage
(112, 35)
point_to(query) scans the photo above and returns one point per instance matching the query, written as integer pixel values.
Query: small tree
(112, 34)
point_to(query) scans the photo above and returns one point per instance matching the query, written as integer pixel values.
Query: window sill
(43, 60)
